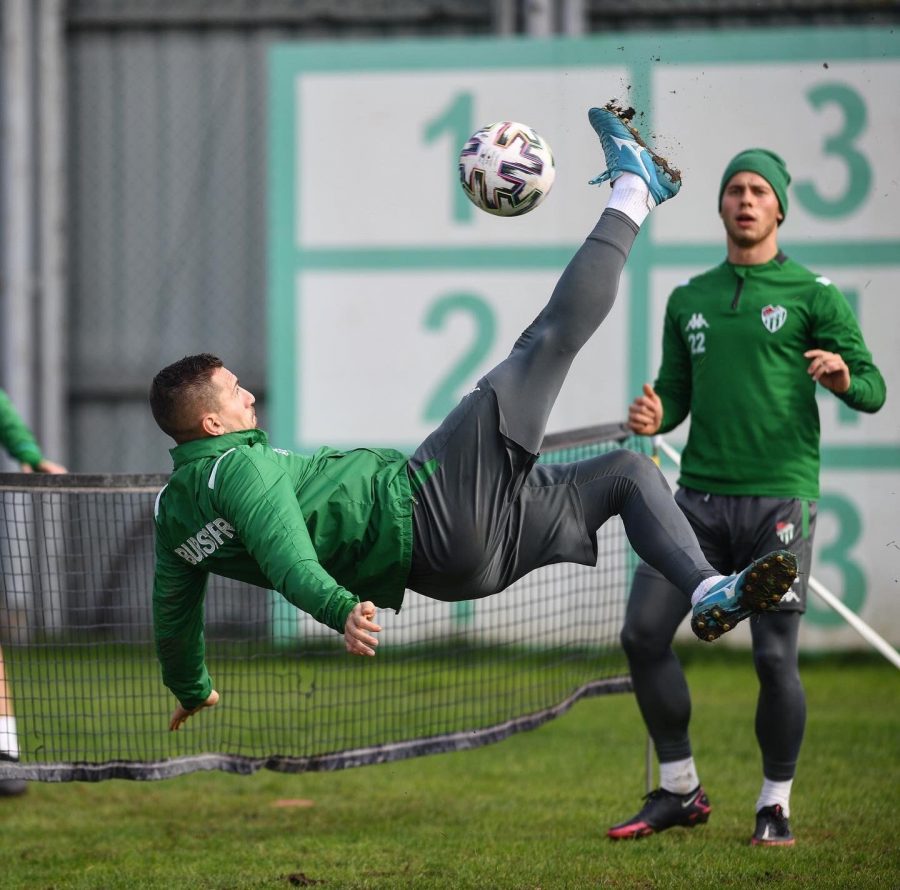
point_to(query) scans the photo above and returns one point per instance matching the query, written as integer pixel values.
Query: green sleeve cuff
(312, 590)
(864, 394)
(30, 456)
(190, 703)
(342, 610)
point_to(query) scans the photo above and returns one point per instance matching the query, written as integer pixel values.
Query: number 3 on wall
(837, 555)
(840, 145)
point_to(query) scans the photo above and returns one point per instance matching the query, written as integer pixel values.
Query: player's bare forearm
(358, 629)
(181, 714)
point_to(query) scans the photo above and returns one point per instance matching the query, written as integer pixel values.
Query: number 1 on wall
(457, 122)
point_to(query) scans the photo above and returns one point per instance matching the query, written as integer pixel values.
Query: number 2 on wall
(449, 389)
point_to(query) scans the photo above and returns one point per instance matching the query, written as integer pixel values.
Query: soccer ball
(506, 169)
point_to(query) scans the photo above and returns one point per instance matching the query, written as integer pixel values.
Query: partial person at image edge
(18, 440)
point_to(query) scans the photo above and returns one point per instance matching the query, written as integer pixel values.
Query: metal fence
(134, 183)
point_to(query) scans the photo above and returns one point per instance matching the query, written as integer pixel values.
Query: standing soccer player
(470, 512)
(744, 346)
(20, 443)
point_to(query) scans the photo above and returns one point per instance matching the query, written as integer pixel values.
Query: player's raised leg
(462, 518)
(528, 381)
(629, 485)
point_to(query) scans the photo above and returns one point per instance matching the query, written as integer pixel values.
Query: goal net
(76, 571)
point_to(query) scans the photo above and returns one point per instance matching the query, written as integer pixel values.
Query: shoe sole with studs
(765, 581)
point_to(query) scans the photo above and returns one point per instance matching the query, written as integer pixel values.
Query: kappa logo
(773, 317)
(785, 532)
(791, 596)
(697, 322)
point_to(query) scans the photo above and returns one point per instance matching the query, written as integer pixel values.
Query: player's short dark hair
(181, 392)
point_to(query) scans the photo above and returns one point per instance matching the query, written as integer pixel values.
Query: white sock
(631, 196)
(703, 588)
(679, 776)
(9, 741)
(773, 793)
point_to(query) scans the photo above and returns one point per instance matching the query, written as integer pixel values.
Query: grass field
(529, 812)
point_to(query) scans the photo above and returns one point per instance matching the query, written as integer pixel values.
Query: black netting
(76, 633)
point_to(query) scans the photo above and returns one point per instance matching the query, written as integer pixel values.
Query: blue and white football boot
(626, 152)
(759, 588)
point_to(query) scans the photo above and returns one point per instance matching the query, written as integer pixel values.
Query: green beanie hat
(765, 163)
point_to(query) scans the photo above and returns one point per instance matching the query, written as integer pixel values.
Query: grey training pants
(488, 514)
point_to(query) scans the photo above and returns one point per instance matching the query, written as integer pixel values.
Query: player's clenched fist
(359, 628)
(829, 369)
(645, 412)
(181, 714)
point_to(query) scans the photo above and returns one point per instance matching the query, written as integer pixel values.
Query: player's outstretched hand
(829, 369)
(180, 714)
(359, 628)
(645, 412)
(45, 466)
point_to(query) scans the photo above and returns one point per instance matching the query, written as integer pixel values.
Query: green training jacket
(15, 436)
(733, 344)
(325, 531)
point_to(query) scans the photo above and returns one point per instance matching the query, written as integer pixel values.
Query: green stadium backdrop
(389, 292)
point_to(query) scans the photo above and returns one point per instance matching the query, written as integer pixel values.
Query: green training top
(15, 436)
(325, 531)
(733, 344)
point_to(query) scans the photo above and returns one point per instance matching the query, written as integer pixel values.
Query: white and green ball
(506, 169)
